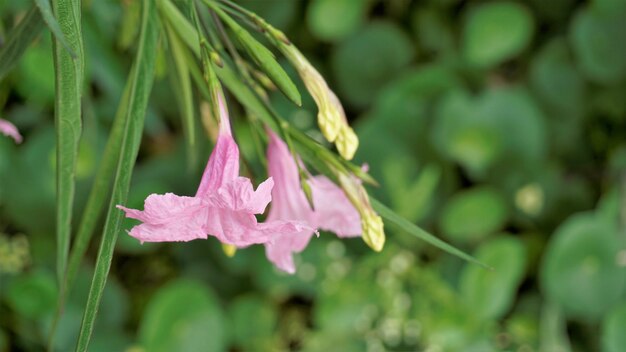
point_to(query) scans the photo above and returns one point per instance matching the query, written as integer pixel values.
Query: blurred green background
(499, 126)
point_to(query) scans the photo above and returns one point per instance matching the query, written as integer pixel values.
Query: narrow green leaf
(67, 116)
(53, 25)
(184, 28)
(100, 191)
(18, 39)
(99, 194)
(184, 93)
(142, 80)
(414, 230)
(262, 56)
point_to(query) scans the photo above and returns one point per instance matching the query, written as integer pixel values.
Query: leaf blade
(46, 14)
(261, 56)
(142, 80)
(67, 115)
(416, 231)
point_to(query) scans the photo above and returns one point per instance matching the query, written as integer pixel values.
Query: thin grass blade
(416, 231)
(141, 84)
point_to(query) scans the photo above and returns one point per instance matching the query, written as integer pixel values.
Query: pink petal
(240, 196)
(223, 165)
(289, 201)
(169, 217)
(333, 210)
(281, 248)
(241, 228)
(8, 129)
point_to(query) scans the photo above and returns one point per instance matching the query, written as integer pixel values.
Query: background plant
(498, 125)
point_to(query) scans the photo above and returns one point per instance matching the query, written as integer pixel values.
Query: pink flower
(333, 211)
(9, 130)
(224, 205)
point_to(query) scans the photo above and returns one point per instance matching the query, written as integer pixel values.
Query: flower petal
(240, 228)
(333, 210)
(168, 218)
(288, 200)
(282, 247)
(8, 129)
(239, 195)
(223, 165)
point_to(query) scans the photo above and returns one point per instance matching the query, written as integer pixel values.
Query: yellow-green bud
(373, 232)
(372, 228)
(229, 250)
(347, 142)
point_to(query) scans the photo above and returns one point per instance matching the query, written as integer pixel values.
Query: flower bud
(331, 117)
(347, 142)
(373, 232)
(229, 250)
(372, 228)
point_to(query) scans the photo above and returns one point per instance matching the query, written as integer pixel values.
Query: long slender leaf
(416, 231)
(46, 13)
(67, 116)
(18, 39)
(261, 55)
(142, 79)
(100, 192)
(184, 93)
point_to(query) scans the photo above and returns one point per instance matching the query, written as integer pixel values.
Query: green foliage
(580, 271)
(489, 294)
(183, 316)
(496, 31)
(496, 125)
(595, 40)
(458, 218)
(19, 39)
(360, 75)
(32, 296)
(141, 82)
(69, 74)
(334, 20)
(613, 339)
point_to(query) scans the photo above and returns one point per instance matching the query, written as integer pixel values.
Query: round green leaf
(332, 20)
(465, 135)
(182, 316)
(433, 30)
(613, 327)
(490, 293)
(473, 214)
(32, 296)
(556, 80)
(501, 125)
(494, 32)
(369, 59)
(580, 271)
(597, 40)
(520, 123)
